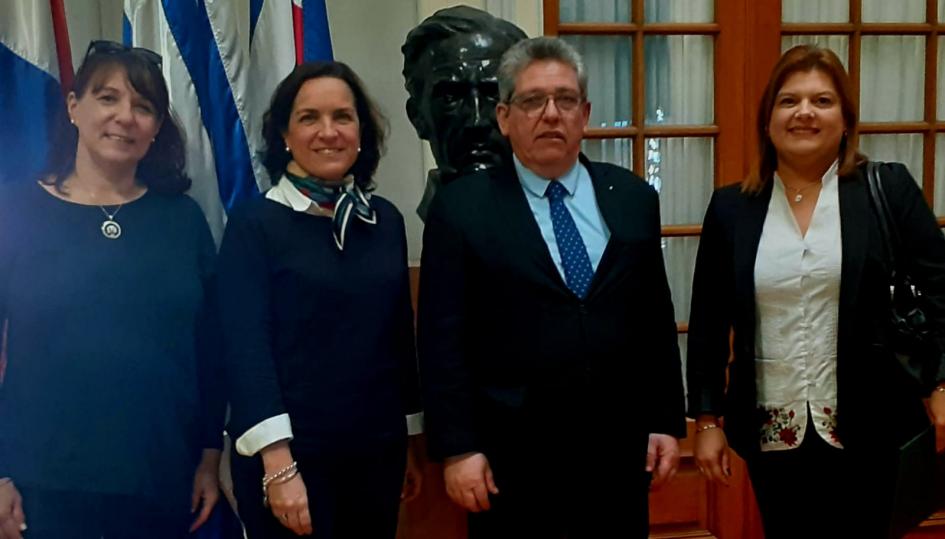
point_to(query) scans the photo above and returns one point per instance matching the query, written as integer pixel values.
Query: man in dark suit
(547, 337)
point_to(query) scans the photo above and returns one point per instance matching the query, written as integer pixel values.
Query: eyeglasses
(534, 104)
(103, 46)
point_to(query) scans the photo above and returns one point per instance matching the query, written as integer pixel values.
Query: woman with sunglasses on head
(318, 325)
(109, 427)
(792, 271)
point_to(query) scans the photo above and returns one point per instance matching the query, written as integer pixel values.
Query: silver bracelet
(290, 470)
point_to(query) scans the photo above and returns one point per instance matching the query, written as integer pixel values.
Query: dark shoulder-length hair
(804, 58)
(162, 167)
(373, 124)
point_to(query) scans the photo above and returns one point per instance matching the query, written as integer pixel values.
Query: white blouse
(797, 297)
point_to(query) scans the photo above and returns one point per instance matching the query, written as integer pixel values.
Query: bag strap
(887, 224)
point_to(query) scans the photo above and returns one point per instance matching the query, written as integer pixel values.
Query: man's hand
(662, 459)
(469, 481)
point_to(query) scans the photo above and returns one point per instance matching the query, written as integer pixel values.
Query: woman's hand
(12, 520)
(289, 504)
(413, 477)
(288, 500)
(206, 487)
(711, 450)
(937, 410)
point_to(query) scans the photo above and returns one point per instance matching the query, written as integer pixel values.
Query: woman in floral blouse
(792, 260)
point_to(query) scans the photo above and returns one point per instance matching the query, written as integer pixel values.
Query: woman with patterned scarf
(318, 323)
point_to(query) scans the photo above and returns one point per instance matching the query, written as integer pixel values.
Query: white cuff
(265, 432)
(415, 424)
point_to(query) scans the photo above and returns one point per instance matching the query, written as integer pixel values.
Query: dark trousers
(352, 493)
(818, 491)
(54, 514)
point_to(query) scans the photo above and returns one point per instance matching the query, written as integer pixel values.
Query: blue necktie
(574, 260)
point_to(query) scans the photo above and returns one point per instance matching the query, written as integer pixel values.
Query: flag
(33, 38)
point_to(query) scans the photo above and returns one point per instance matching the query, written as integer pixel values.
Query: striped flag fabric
(33, 39)
(220, 79)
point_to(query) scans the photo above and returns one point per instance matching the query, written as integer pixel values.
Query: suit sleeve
(922, 247)
(444, 372)
(665, 387)
(711, 317)
(244, 300)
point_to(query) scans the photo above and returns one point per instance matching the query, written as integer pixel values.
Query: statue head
(450, 71)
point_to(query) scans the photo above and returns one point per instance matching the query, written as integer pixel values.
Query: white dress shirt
(278, 428)
(797, 298)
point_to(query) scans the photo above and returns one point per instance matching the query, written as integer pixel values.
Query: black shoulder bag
(911, 336)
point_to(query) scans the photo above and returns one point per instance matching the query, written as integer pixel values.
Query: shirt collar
(536, 185)
(286, 194)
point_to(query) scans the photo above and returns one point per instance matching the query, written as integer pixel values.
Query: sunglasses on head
(103, 46)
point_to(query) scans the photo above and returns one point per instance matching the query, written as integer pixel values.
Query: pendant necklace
(110, 227)
(798, 193)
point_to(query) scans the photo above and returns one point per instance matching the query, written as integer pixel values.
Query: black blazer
(878, 405)
(504, 342)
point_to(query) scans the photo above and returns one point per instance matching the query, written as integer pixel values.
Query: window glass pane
(608, 62)
(905, 148)
(838, 44)
(680, 169)
(892, 83)
(939, 205)
(898, 11)
(815, 10)
(618, 151)
(679, 256)
(940, 83)
(594, 10)
(679, 79)
(679, 11)
(941, 11)
(683, 339)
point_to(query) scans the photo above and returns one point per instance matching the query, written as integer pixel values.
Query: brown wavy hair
(805, 58)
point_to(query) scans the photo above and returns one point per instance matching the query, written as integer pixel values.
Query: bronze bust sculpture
(450, 65)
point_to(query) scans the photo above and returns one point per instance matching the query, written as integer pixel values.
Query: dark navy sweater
(108, 343)
(323, 335)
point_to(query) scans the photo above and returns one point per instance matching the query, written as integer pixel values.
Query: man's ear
(413, 113)
(502, 117)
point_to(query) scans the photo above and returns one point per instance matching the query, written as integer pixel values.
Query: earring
(72, 121)
(359, 149)
(287, 149)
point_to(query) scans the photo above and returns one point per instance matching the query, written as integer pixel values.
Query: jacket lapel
(525, 235)
(608, 195)
(854, 235)
(747, 237)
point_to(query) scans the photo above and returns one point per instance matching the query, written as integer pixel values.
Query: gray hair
(522, 54)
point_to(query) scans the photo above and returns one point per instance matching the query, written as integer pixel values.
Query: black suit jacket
(877, 404)
(505, 346)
